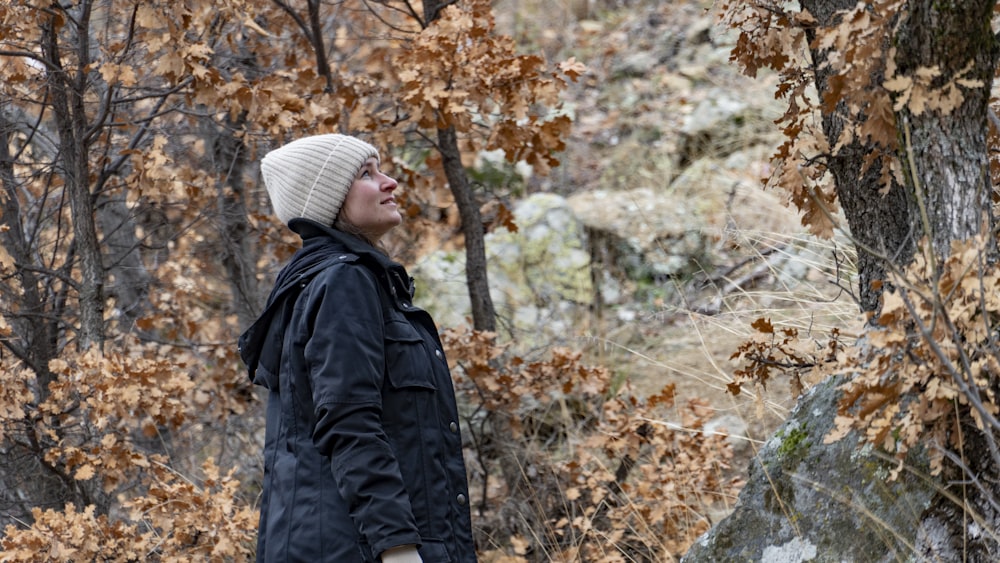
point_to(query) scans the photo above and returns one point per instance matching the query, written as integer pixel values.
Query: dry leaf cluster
(574, 467)
(926, 374)
(862, 77)
(934, 362)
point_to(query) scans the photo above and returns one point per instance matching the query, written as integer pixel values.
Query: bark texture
(946, 152)
(947, 160)
(34, 314)
(880, 222)
(67, 94)
(230, 161)
(483, 312)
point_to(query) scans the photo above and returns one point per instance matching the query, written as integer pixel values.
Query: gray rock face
(649, 233)
(540, 274)
(723, 124)
(807, 501)
(540, 277)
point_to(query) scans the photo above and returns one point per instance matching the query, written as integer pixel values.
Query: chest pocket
(407, 360)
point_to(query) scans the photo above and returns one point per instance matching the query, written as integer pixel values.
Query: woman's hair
(344, 225)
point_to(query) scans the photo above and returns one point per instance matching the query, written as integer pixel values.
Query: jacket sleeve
(345, 357)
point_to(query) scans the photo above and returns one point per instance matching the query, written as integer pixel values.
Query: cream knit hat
(310, 177)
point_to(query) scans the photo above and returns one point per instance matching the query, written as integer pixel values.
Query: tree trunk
(34, 314)
(483, 312)
(230, 160)
(67, 93)
(947, 163)
(946, 196)
(35, 326)
(130, 289)
(948, 174)
(879, 223)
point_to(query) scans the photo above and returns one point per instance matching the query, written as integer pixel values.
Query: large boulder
(646, 241)
(650, 233)
(540, 276)
(724, 123)
(645, 233)
(809, 501)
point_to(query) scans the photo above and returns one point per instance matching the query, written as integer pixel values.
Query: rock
(441, 288)
(806, 501)
(733, 427)
(539, 273)
(635, 64)
(675, 83)
(539, 276)
(721, 124)
(643, 233)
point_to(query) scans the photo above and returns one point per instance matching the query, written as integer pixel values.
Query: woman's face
(370, 206)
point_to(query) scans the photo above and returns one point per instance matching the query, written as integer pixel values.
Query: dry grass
(675, 343)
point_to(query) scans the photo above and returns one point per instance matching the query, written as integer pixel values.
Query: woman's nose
(389, 183)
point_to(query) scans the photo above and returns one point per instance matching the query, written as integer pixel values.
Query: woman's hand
(402, 554)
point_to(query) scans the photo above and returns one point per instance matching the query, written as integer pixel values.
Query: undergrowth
(925, 376)
(566, 466)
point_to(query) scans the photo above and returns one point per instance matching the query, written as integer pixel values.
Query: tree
(441, 75)
(470, 90)
(905, 146)
(101, 323)
(136, 236)
(483, 313)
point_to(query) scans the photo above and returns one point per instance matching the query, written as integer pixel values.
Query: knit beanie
(310, 177)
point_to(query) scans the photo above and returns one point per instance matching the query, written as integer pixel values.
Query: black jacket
(362, 450)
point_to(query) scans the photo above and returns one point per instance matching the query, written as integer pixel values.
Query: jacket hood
(320, 243)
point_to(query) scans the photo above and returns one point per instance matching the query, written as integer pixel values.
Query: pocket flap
(407, 360)
(401, 331)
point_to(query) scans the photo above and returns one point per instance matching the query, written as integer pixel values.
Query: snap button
(438, 354)
(461, 500)
(453, 426)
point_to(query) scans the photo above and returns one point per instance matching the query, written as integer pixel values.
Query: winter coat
(363, 450)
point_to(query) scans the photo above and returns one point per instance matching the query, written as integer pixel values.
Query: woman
(363, 453)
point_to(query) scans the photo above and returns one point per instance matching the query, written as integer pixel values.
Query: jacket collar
(317, 235)
(314, 233)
